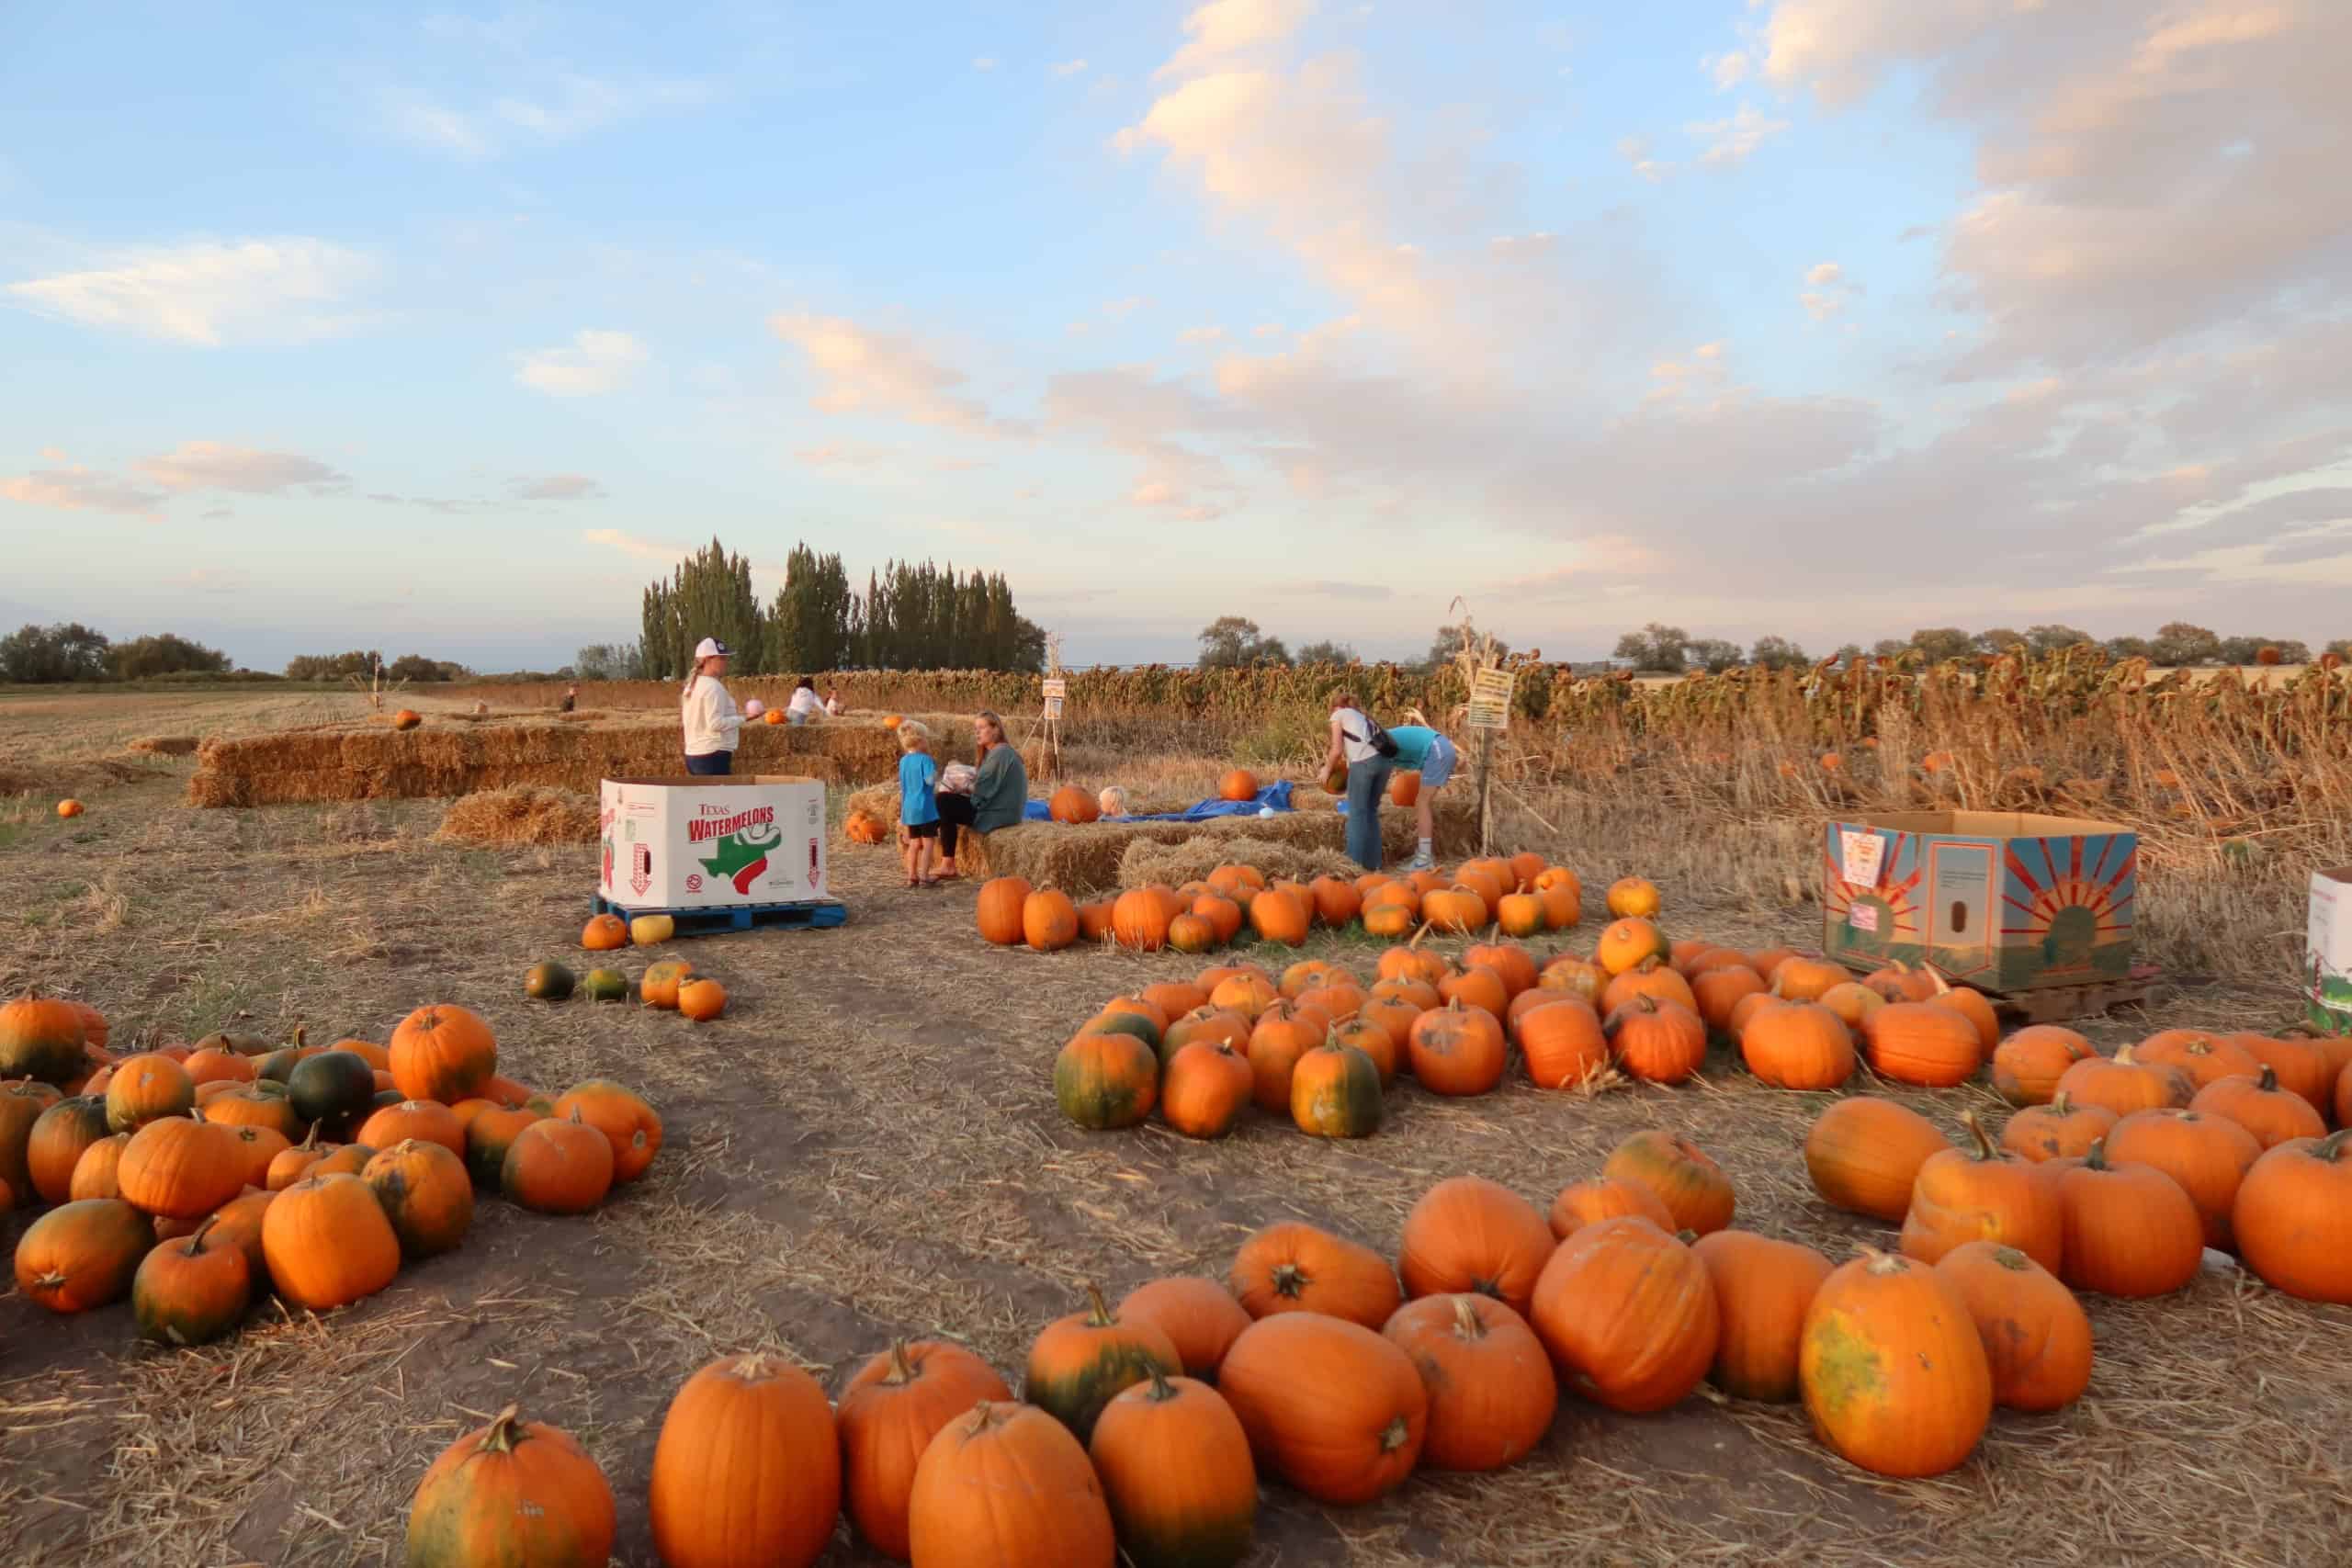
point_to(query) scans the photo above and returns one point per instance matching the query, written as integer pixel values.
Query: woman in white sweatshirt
(712, 723)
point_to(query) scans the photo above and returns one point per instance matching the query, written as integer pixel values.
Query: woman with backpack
(1366, 751)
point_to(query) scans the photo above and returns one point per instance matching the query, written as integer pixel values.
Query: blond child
(918, 804)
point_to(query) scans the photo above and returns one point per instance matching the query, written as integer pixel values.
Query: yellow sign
(1490, 692)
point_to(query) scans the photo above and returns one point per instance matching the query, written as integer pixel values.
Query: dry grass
(865, 1146)
(1190, 860)
(165, 744)
(521, 815)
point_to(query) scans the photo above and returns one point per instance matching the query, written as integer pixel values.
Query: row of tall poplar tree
(911, 616)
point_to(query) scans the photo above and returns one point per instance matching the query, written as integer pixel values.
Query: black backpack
(1383, 744)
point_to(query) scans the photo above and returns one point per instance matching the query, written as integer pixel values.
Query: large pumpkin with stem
(1864, 1153)
(1799, 1045)
(147, 1087)
(191, 1291)
(1898, 982)
(1657, 1041)
(1200, 1317)
(2060, 1130)
(1915, 1043)
(42, 1038)
(2122, 1083)
(1048, 921)
(747, 1469)
(488, 1137)
(1292, 1267)
(1106, 1080)
(255, 1105)
(1329, 1406)
(97, 1174)
(426, 1193)
(514, 1492)
(1982, 1194)
(238, 1223)
(1007, 1483)
(557, 1165)
(1279, 915)
(1582, 1203)
(1077, 1364)
(2301, 1066)
(2293, 1217)
(1762, 1289)
(1492, 1392)
(427, 1119)
(1893, 1367)
(180, 1169)
(1625, 942)
(1176, 1469)
(327, 1242)
(1467, 1234)
(2208, 1155)
(1632, 897)
(1561, 1040)
(2272, 1114)
(1797, 979)
(1335, 1092)
(1691, 1185)
(1627, 1314)
(56, 1142)
(2036, 1335)
(627, 1122)
(1457, 1050)
(2200, 1057)
(1648, 979)
(443, 1053)
(1972, 1004)
(1072, 804)
(890, 1410)
(83, 1253)
(1203, 1089)
(335, 1086)
(1002, 901)
(2129, 1229)
(1139, 918)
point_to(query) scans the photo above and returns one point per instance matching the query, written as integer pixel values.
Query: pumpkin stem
(1985, 1149)
(2063, 1102)
(2270, 1080)
(502, 1434)
(1466, 1322)
(1160, 1390)
(1097, 1311)
(2331, 1148)
(2097, 1158)
(2125, 1059)
(196, 1237)
(902, 1366)
(1394, 1436)
(1289, 1279)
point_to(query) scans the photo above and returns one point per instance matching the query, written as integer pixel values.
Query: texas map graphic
(742, 854)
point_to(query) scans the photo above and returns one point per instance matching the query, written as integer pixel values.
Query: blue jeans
(712, 763)
(1367, 785)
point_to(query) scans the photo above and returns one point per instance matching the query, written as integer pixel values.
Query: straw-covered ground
(865, 1146)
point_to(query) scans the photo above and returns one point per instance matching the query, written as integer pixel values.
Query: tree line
(1671, 650)
(71, 651)
(910, 616)
(1236, 642)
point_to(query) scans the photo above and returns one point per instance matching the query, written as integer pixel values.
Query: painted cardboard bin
(2327, 952)
(704, 843)
(2001, 900)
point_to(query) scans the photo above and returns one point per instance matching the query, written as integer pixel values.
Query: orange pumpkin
(1003, 899)
(1176, 1469)
(1632, 897)
(191, 1290)
(1337, 903)
(2123, 1084)
(2129, 1229)
(2029, 1063)
(147, 1087)
(557, 1165)
(1971, 1004)
(2301, 1066)
(427, 1119)
(1561, 1040)
(1982, 1194)
(1797, 979)
(1074, 805)
(98, 1173)
(515, 1491)
(747, 1469)
(1582, 1203)
(1915, 1043)
(1238, 783)
(1513, 964)
(2036, 1336)
(1864, 1155)
(1278, 916)
(2272, 1114)
(1329, 1404)
(1008, 1484)
(59, 1136)
(2208, 1155)
(1456, 1049)
(1719, 991)
(1801, 1046)
(1077, 1364)
(1203, 1089)
(2293, 1217)
(443, 1053)
(1898, 982)
(327, 1242)
(1661, 1042)
(1762, 1289)
(43, 1038)
(2199, 1056)
(1048, 920)
(427, 1194)
(1292, 1267)
(1626, 942)
(701, 1000)
(1200, 1317)
(627, 1122)
(603, 933)
(1492, 1392)
(2060, 1130)
(1627, 1314)
(1467, 1234)
(1893, 1369)
(82, 1254)
(1140, 916)
(890, 1410)
(1692, 1186)
(180, 1169)
(1222, 915)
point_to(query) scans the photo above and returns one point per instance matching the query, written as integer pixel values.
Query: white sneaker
(1421, 863)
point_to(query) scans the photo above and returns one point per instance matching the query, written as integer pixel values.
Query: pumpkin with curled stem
(515, 1491)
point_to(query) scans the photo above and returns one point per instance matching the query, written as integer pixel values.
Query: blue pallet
(814, 915)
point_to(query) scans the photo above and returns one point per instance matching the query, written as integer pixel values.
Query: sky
(445, 331)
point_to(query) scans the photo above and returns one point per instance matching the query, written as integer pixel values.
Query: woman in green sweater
(998, 797)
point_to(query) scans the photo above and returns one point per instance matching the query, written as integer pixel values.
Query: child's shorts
(923, 830)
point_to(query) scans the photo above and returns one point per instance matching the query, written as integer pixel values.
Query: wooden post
(1486, 812)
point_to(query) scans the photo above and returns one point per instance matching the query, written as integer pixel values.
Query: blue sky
(445, 331)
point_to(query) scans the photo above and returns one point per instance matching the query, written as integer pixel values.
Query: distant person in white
(834, 706)
(707, 714)
(804, 705)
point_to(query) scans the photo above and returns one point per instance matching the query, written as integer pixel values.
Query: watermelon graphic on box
(699, 842)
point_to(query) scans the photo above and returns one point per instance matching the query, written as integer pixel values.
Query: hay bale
(166, 745)
(1172, 865)
(1086, 858)
(521, 814)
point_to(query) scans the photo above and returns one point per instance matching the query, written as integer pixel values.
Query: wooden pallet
(813, 915)
(2057, 1004)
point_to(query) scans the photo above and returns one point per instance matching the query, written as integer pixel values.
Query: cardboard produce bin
(2001, 900)
(2327, 952)
(707, 843)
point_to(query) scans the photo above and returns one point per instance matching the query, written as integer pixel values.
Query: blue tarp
(1274, 795)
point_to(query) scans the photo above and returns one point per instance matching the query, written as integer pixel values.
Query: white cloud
(53, 455)
(635, 544)
(1732, 141)
(1218, 33)
(1828, 290)
(1636, 150)
(1066, 67)
(1726, 71)
(215, 465)
(596, 362)
(866, 370)
(845, 454)
(210, 292)
(76, 489)
(1201, 334)
(557, 487)
(985, 62)
(1120, 310)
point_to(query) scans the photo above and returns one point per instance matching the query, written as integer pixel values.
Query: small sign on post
(1055, 691)
(1490, 690)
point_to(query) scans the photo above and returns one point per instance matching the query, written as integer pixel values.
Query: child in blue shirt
(918, 804)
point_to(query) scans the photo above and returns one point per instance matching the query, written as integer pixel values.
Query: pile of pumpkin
(192, 1178)
(1522, 896)
(670, 984)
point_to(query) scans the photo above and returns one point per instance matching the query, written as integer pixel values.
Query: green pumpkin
(1132, 1023)
(548, 983)
(1335, 1093)
(332, 1086)
(1106, 1079)
(605, 986)
(277, 1066)
(242, 1044)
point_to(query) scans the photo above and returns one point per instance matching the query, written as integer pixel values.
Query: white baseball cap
(711, 647)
